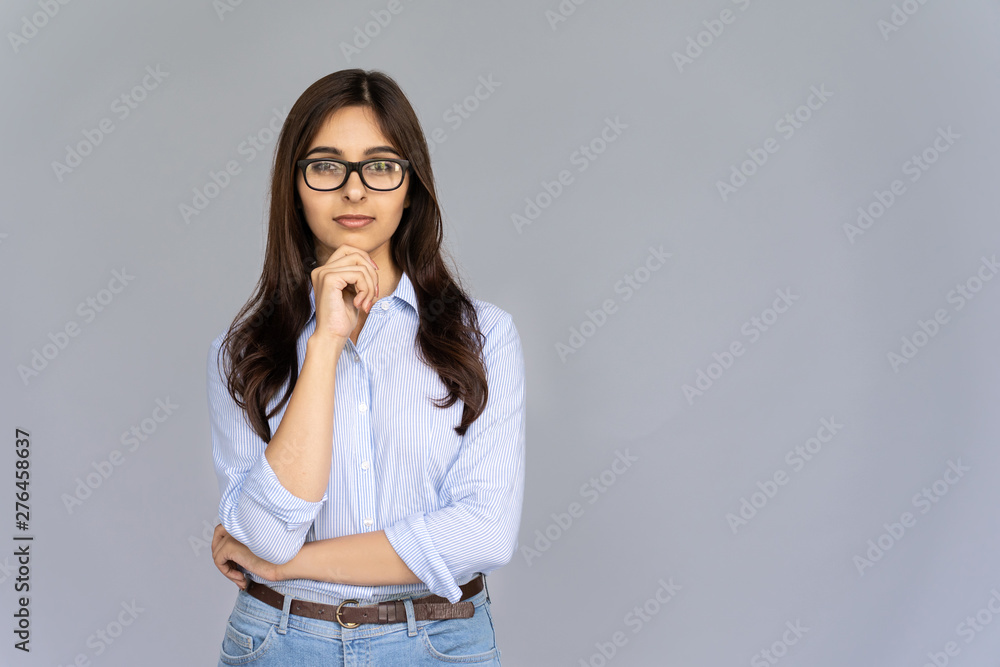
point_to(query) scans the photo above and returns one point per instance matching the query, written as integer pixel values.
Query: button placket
(365, 482)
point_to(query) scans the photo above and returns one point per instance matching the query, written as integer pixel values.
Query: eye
(382, 167)
(327, 167)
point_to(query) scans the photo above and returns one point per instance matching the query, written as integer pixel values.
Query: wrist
(325, 344)
(280, 571)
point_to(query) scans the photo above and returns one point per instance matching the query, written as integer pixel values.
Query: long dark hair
(450, 342)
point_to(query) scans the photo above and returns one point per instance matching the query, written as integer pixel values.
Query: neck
(388, 277)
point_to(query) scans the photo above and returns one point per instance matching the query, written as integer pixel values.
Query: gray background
(138, 536)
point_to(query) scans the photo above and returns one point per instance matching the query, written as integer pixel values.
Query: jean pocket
(462, 640)
(246, 639)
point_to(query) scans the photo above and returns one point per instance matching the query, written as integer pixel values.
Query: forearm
(365, 559)
(300, 450)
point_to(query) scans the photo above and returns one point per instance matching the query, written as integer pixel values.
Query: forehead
(350, 128)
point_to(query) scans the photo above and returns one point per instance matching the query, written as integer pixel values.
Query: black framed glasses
(381, 173)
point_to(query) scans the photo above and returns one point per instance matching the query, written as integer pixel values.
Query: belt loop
(486, 587)
(285, 611)
(411, 619)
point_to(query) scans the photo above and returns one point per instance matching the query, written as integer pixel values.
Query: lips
(353, 221)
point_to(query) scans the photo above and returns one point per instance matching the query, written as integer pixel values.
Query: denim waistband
(247, 604)
(302, 591)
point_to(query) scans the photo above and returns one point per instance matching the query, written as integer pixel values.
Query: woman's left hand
(229, 554)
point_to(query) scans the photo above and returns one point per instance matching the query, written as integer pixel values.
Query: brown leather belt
(427, 608)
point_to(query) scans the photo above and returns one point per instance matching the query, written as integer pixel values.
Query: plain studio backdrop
(751, 249)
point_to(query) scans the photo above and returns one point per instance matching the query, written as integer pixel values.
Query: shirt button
(365, 465)
(362, 407)
(356, 357)
(369, 522)
(385, 305)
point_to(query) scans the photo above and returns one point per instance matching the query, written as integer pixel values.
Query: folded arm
(475, 530)
(365, 559)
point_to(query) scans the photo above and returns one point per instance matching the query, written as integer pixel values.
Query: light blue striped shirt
(450, 505)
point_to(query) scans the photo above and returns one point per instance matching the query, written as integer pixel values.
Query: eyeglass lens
(329, 175)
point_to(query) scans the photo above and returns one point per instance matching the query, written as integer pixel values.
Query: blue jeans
(261, 635)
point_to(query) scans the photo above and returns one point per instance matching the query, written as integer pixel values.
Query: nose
(354, 189)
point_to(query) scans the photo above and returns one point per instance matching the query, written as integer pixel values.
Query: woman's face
(351, 134)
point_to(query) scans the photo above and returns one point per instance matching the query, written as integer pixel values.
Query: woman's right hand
(345, 283)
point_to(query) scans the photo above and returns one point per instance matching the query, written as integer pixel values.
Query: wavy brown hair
(261, 342)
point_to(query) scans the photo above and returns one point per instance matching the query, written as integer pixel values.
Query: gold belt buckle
(342, 623)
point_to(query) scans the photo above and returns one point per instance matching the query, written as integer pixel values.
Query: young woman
(367, 415)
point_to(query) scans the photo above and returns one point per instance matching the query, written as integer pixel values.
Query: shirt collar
(403, 291)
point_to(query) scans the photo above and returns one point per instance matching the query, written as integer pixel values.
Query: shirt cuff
(413, 544)
(264, 488)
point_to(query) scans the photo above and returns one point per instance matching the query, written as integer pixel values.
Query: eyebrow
(369, 151)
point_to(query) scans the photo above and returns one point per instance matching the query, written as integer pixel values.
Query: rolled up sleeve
(254, 508)
(476, 528)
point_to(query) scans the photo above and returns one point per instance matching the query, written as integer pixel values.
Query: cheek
(312, 206)
(314, 216)
(306, 196)
(395, 207)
